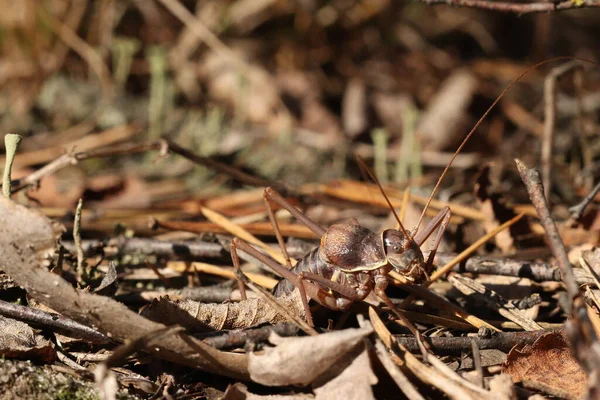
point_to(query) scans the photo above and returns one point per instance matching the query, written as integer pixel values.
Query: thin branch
(535, 188)
(55, 322)
(550, 120)
(578, 209)
(523, 8)
(503, 341)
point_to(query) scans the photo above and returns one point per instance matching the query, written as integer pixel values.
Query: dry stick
(396, 373)
(188, 250)
(580, 330)
(533, 181)
(56, 322)
(537, 271)
(239, 338)
(477, 363)
(516, 7)
(493, 301)
(455, 389)
(550, 120)
(503, 341)
(11, 143)
(225, 169)
(81, 272)
(578, 209)
(73, 158)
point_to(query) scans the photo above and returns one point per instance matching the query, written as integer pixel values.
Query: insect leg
(236, 265)
(307, 289)
(422, 236)
(345, 291)
(381, 284)
(275, 225)
(443, 222)
(272, 195)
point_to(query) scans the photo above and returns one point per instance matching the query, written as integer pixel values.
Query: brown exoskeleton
(351, 261)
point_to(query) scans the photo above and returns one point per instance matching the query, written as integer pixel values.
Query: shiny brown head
(403, 254)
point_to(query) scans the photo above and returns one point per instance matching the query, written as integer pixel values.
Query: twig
(550, 120)
(537, 271)
(477, 363)
(225, 169)
(516, 7)
(580, 330)
(535, 188)
(578, 209)
(56, 322)
(503, 341)
(11, 143)
(493, 301)
(81, 272)
(167, 249)
(73, 158)
(238, 338)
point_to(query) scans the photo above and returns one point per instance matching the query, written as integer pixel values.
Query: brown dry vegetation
(168, 118)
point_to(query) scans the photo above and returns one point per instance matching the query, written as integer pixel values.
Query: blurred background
(290, 91)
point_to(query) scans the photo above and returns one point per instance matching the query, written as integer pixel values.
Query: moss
(24, 380)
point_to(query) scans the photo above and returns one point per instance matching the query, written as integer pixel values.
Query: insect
(352, 261)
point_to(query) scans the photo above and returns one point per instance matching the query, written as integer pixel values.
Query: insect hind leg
(307, 289)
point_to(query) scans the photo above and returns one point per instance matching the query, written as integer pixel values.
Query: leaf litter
(286, 95)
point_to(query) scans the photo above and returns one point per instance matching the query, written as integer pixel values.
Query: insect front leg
(439, 222)
(381, 284)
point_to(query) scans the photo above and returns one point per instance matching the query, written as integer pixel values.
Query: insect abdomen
(311, 262)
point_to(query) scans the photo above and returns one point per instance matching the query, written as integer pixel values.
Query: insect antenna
(528, 70)
(365, 170)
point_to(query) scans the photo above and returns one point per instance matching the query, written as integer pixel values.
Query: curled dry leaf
(300, 361)
(202, 317)
(548, 361)
(18, 340)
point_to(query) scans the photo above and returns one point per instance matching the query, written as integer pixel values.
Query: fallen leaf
(300, 361)
(239, 391)
(353, 383)
(18, 340)
(203, 317)
(445, 113)
(547, 361)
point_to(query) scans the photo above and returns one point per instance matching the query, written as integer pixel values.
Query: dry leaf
(239, 391)
(439, 125)
(300, 361)
(17, 340)
(548, 361)
(353, 383)
(202, 317)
